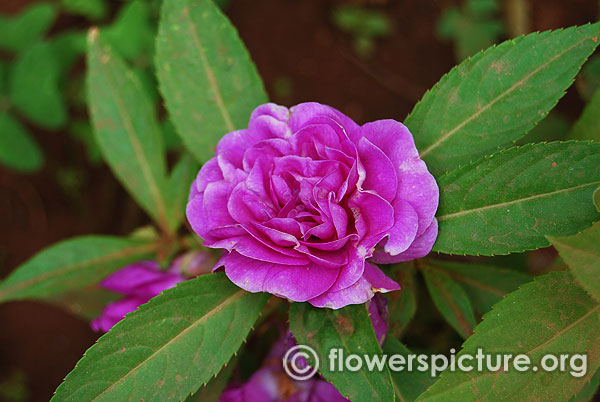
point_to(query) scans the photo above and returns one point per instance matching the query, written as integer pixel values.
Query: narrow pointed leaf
(485, 285)
(408, 385)
(511, 200)
(126, 128)
(582, 254)
(551, 315)
(169, 347)
(587, 127)
(72, 264)
(350, 329)
(206, 76)
(451, 300)
(493, 98)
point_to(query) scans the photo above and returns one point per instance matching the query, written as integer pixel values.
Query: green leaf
(126, 128)
(509, 201)
(34, 86)
(350, 329)
(492, 99)
(72, 264)
(169, 347)
(18, 32)
(597, 198)
(206, 76)
(132, 34)
(181, 179)
(18, 150)
(212, 390)
(587, 127)
(451, 300)
(589, 390)
(92, 9)
(582, 254)
(402, 304)
(485, 285)
(407, 384)
(551, 315)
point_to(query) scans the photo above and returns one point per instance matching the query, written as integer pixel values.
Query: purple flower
(306, 202)
(139, 283)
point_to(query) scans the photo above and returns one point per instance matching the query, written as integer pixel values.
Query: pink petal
(404, 231)
(296, 283)
(418, 249)
(380, 175)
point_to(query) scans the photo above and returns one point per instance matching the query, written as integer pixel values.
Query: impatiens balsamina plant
(303, 213)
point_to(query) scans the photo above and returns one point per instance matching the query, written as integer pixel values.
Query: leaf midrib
(512, 202)
(137, 148)
(80, 265)
(192, 326)
(497, 99)
(212, 80)
(343, 339)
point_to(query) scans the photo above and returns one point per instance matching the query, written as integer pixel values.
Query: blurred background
(371, 59)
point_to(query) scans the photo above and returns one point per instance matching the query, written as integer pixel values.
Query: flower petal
(379, 281)
(380, 175)
(231, 149)
(416, 184)
(360, 292)
(296, 283)
(373, 217)
(418, 249)
(302, 115)
(404, 231)
(132, 277)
